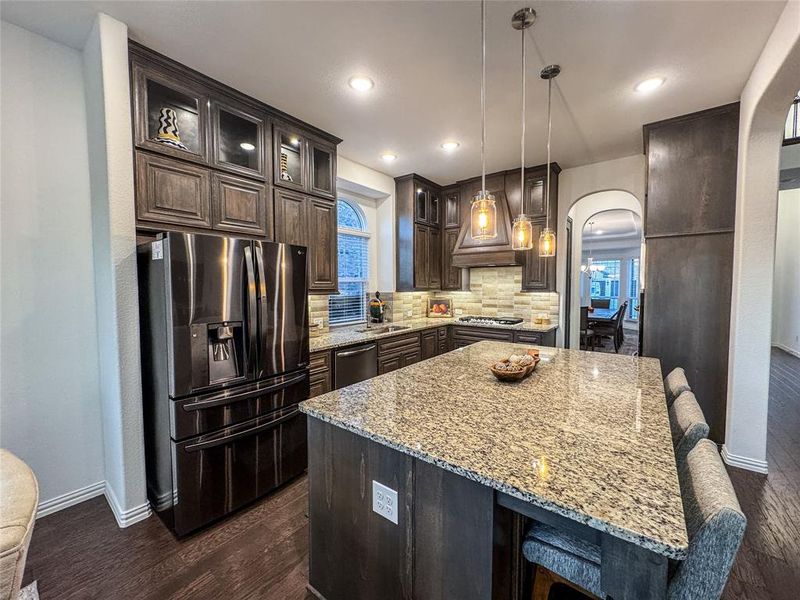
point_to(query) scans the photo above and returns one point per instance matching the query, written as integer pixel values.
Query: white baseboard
(63, 501)
(742, 462)
(126, 518)
(787, 349)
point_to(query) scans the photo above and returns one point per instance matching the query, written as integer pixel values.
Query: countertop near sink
(347, 336)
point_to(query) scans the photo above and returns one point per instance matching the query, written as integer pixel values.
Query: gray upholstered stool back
(675, 383)
(715, 524)
(688, 425)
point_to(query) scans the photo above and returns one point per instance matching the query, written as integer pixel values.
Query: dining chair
(612, 330)
(601, 303)
(587, 334)
(675, 383)
(688, 425)
(714, 522)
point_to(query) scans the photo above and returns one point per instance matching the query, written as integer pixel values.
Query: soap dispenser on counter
(377, 309)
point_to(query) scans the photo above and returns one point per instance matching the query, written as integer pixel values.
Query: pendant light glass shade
(522, 234)
(483, 212)
(483, 218)
(547, 242)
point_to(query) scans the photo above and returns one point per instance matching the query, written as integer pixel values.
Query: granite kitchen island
(583, 445)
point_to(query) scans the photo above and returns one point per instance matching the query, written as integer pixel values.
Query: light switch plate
(384, 501)
(409, 313)
(319, 322)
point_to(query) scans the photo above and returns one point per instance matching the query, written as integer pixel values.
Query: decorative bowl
(516, 375)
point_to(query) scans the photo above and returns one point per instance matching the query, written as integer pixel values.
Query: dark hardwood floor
(768, 563)
(262, 552)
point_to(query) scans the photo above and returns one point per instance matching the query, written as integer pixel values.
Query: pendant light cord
(522, 142)
(483, 95)
(549, 128)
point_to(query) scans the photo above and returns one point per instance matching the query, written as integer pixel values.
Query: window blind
(349, 305)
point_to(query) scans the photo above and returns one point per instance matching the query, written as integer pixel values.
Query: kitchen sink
(385, 329)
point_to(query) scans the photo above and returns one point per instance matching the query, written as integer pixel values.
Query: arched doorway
(580, 213)
(609, 278)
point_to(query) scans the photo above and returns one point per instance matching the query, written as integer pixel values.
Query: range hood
(497, 252)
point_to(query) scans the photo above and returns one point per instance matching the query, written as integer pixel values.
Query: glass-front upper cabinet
(322, 168)
(238, 140)
(171, 116)
(435, 207)
(289, 158)
(421, 204)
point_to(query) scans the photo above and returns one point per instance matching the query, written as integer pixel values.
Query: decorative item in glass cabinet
(484, 208)
(168, 132)
(547, 240)
(522, 230)
(285, 168)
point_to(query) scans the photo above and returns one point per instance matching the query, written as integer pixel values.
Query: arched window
(349, 305)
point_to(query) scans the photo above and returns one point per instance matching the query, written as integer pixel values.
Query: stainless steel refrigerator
(224, 364)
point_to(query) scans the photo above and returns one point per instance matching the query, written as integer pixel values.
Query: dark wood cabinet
(538, 273)
(398, 352)
(536, 338)
(451, 276)
(241, 206)
(238, 139)
(291, 218)
(322, 168)
(463, 335)
(303, 162)
(307, 221)
(172, 192)
(207, 157)
(689, 227)
(320, 373)
(452, 207)
(419, 234)
(435, 259)
(429, 343)
(322, 247)
(167, 103)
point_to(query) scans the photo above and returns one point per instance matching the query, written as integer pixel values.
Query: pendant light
(522, 231)
(547, 240)
(483, 213)
(590, 266)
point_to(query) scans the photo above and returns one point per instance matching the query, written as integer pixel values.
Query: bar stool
(688, 425)
(675, 383)
(714, 521)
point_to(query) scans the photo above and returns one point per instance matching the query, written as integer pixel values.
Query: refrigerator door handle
(241, 434)
(252, 309)
(227, 399)
(262, 282)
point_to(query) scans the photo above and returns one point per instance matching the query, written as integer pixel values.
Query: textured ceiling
(425, 60)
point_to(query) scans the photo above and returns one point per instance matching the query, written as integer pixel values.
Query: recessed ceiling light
(247, 146)
(450, 146)
(388, 157)
(648, 85)
(599, 231)
(361, 84)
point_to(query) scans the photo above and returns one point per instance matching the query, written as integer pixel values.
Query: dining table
(603, 315)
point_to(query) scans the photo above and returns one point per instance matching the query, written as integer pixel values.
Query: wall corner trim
(72, 498)
(742, 462)
(786, 349)
(126, 518)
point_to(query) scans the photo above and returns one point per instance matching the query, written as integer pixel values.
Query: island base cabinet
(451, 539)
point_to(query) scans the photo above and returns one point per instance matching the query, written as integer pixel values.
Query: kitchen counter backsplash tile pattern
(493, 292)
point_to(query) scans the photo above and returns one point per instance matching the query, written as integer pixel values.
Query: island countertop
(585, 436)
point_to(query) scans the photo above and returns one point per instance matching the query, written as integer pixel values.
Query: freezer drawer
(217, 473)
(203, 414)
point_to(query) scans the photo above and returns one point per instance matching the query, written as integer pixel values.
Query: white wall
(623, 174)
(786, 293)
(764, 104)
(105, 57)
(50, 413)
(375, 193)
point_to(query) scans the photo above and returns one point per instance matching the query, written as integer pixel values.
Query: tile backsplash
(494, 291)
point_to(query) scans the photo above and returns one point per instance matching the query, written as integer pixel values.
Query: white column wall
(765, 101)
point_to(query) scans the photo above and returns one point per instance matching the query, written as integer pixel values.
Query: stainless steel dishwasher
(352, 365)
